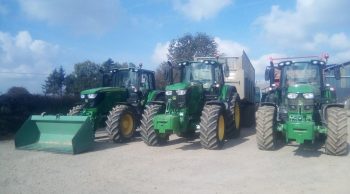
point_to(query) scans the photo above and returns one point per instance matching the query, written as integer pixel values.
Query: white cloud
(229, 47)
(23, 58)
(309, 16)
(198, 10)
(336, 42)
(81, 16)
(160, 53)
(311, 27)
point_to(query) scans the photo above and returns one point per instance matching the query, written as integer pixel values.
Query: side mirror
(337, 73)
(226, 70)
(169, 73)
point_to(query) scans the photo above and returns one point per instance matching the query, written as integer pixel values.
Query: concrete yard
(181, 166)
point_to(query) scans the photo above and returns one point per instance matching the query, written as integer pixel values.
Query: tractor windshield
(301, 73)
(198, 72)
(124, 78)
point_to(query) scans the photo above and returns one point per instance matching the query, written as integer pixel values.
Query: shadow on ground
(194, 144)
(102, 141)
(309, 149)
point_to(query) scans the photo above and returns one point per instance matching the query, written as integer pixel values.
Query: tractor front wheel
(336, 142)
(148, 134)
(120, 123)
(212, 127)
(265, 120)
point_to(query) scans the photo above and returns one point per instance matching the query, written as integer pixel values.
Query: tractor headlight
(292, 95)
(181, 92)
(168, 93)
(92, 96)
(82, 96)
(308, 95)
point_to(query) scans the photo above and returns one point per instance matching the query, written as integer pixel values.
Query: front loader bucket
(63, 134)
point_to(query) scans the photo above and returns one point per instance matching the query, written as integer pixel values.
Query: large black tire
(212, 127)
(148, 134)
(233, 118)
(265, 121)
(121, 123)
(337, 134)
(75, 110)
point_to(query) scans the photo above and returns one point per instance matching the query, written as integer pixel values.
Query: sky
(37, 36)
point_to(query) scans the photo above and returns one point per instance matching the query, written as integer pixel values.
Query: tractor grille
(300, 103)
(177, 101)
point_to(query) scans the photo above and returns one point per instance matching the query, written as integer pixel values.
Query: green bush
(15, 109)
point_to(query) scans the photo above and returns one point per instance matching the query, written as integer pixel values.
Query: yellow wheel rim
(237, 116)
(127, 125)
(221, 128)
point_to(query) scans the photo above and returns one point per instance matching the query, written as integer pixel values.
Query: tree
(110, 64)
(185, 48)
(55, 82)
(86, 75)
(17, 91)
(160, 76)
(189, 46)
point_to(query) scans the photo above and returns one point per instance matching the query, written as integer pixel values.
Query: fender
(156, 95)
(216, 102)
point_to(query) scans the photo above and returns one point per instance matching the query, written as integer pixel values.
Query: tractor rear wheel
(265, 121)
(336, 142)
(120, 123)
(233, 124)
(212, 127)
(148, 134)
(75, 110)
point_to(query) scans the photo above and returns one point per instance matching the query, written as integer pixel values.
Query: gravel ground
(181, 166)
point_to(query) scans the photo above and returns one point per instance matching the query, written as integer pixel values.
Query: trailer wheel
(120, 123)
(265, 121)
(212, 127)
(148, 134)
(75, 110)
(336, 142)
(233, 120)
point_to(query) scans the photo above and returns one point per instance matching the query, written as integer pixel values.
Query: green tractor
(300, 106)
(200, 101)
(117, 108)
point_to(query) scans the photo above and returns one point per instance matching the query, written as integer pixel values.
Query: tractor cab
(208, 73)
(133, 79)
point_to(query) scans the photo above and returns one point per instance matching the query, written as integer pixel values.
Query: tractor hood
(301, 88)
(101, 90)
(178, 86)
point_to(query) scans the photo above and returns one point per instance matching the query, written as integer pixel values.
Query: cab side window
(217, 75)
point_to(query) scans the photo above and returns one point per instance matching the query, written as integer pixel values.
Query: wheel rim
(237, 116)
(127, 125)
(221, 127)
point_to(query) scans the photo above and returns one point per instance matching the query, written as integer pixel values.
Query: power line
(42, 74)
